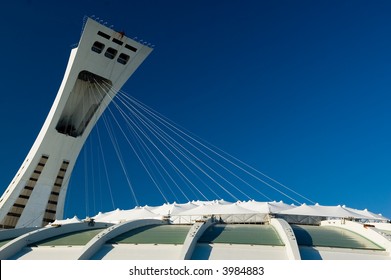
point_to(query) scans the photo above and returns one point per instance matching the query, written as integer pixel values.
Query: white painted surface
(238, 252)
(140, 252)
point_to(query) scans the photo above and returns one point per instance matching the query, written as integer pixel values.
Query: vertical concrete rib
(99, 240)
(288, 237)
(192, 237)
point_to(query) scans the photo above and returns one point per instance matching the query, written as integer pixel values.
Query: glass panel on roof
(325, 236)
(79, 238)
(163, 234)
(242, 234)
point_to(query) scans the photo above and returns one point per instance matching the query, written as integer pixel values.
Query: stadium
(32, 207)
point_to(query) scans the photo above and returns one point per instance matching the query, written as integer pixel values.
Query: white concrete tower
(103, 61)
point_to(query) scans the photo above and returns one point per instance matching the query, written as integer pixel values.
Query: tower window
(104, 35)
(98, 47)
(123, 58)
(117, 41)
(129, 47)
(110, 53)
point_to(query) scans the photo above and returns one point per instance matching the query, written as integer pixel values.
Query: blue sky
(300, 90)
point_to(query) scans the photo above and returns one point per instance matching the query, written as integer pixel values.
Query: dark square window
(123, 58)
(110, 53)
(98, 47)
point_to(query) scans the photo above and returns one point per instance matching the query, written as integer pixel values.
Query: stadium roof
(208, 230)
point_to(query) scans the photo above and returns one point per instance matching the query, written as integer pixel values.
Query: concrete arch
(17, 244)
(98, 241)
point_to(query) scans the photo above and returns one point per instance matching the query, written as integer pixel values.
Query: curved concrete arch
(13, 233)
(17, 244)
(99, 240)
(369, 232)
(192, 237)
(287, 235)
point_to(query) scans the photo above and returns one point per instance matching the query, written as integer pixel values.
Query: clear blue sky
(300, 90)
